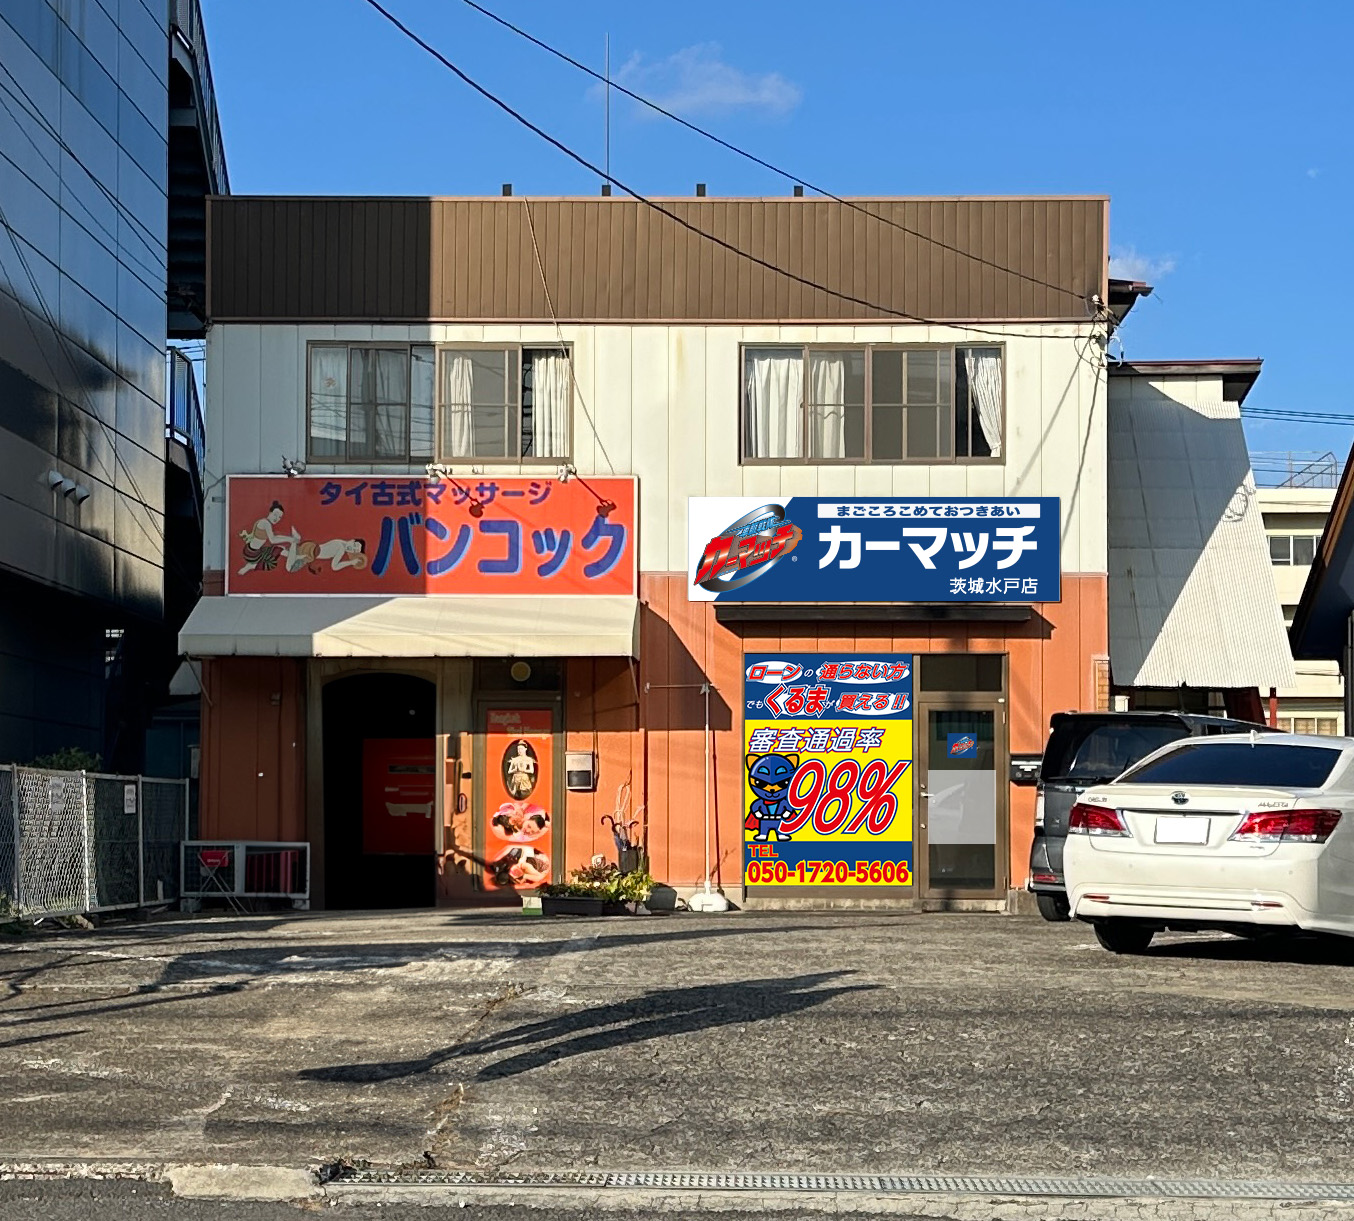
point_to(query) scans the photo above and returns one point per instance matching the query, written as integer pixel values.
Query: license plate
(1182, 830)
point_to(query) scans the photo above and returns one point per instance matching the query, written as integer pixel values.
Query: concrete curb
(218, 1182)
(293, 1184)
(688, 1203)
(243, 1182)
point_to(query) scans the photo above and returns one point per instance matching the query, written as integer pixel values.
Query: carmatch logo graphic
(744, 550)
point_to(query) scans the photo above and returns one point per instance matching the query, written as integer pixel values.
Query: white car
(1245, 833)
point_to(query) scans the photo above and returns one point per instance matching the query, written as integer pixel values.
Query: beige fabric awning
(261, 625)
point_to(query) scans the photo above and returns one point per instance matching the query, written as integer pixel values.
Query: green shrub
(603, 880)
(69, 759)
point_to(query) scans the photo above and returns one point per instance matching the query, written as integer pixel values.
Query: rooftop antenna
(606, 68)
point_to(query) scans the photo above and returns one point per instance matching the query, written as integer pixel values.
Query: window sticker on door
(827, 783)
(519, 748)
(961, 746)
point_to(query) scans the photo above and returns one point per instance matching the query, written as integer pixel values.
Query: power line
(767, 165)
(1101, 315)
(559, 334)
(1298, 416)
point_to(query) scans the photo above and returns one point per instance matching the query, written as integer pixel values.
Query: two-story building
(1295, 518)
(527, 512)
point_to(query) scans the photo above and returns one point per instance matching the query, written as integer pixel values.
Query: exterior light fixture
(476, 507)
(80, 494)
(605, 507)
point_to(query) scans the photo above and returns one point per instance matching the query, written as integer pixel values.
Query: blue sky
(1221, 131)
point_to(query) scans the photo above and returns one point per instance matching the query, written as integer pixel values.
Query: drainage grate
(881, 1184)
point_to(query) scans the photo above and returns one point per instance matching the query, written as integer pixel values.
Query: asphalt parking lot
(845, 1043)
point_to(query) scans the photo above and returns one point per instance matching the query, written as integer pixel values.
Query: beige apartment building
(1294, 519)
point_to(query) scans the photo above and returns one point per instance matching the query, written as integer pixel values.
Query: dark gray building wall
(83, 178)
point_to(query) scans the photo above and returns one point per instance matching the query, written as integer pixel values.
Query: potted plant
(632, 891)
(598, 888)
(567, 899)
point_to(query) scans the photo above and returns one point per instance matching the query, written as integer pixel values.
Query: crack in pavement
(445, 1112)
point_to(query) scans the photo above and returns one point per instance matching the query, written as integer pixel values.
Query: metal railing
(184, 421)
(237, 870)
(78, 842)
(186, 21)
(1296, 469)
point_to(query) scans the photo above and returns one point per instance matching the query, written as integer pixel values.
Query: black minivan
(1089, 748)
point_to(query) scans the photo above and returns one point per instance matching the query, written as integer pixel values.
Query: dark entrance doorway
(379, 775)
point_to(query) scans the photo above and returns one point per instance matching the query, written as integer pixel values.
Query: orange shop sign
(372, 534)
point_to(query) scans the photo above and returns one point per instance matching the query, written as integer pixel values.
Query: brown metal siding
(404, 260)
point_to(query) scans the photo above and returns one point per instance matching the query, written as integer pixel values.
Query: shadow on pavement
(1309, 949)
(268, 961)
(659, 1013)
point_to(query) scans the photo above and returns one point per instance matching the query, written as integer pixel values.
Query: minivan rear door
(1086, 749)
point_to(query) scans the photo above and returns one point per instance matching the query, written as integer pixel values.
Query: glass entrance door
(962, 833)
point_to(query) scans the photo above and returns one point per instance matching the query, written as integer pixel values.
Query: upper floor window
(872, 404)
(1296, 549)
(411, 403)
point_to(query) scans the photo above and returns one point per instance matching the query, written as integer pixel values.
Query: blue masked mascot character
(769, 776)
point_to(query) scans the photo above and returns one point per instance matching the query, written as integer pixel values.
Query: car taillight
(1039, 809)
(1288, 826)
(1095, 820)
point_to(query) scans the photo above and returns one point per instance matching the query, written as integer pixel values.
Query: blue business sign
(914, 549)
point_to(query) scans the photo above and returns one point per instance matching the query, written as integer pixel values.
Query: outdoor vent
(700, 190)
(580, 771)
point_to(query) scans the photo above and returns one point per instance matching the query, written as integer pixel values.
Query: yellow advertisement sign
(827, 777)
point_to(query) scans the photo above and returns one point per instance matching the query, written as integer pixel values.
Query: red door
(398, 796)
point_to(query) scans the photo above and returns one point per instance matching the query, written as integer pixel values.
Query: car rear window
(1087, 749)
(1266, 765)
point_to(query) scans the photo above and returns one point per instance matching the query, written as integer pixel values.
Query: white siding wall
(662, 403)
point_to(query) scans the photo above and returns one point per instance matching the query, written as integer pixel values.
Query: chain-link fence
(74, 842)
(164, 824)
(8, 843)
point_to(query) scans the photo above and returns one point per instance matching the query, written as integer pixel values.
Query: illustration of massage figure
(264, 547)
(769, 776)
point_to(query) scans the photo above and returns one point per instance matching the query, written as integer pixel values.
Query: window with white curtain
(371, 403)
(875, 404)
(411, 403)
(509, 403)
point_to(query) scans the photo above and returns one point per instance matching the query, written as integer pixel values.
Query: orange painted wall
(253, 749)
(254, 722)
(1051, 667)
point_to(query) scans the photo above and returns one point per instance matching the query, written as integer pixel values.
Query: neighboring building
(1322, 627)
(108, 146)
(1191, 625)
(1295, 518)
(479, 467)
